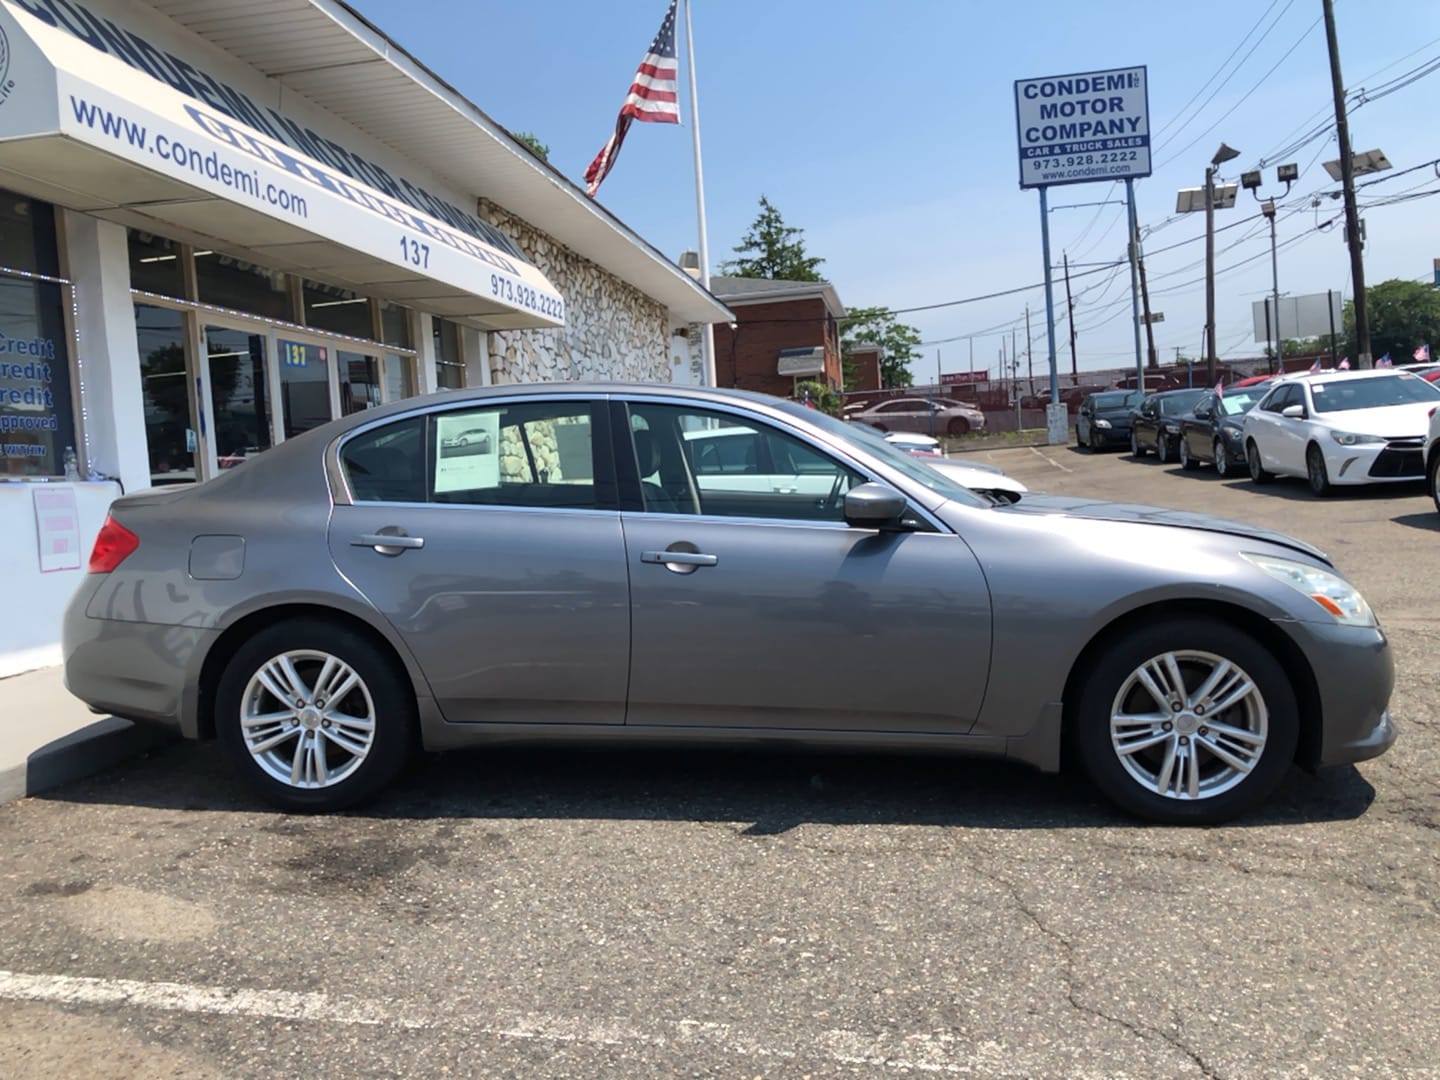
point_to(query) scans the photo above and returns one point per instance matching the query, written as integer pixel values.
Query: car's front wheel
(1162, 448)
(1135, 450)
(1222, 458)
(958, 426)
(1186, 460)
(1316, 472)
(314, 715)
(1258, 473)
(1185, 721)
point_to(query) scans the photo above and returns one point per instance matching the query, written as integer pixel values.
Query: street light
(1210, 196)
(1287, 175)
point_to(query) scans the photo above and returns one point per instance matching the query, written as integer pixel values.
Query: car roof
(1302, 377)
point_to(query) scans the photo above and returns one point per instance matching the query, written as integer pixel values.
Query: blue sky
(887, 132)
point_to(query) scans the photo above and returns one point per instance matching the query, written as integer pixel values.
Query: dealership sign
(1073, 129)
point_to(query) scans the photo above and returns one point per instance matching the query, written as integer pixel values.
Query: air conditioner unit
(797, 362)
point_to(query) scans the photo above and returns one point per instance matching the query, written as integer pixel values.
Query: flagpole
(708, 334)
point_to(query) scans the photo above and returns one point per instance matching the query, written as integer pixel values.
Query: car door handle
(679, 558)
(388, 543)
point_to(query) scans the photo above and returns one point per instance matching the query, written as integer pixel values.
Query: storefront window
(304, 386)
(37, 422)
(340, 311)
(399, 377)
(228, 282)
(395, 325)
(156, 265)
(164, 379)
(450, 365)
(237, 394)
(359, 383)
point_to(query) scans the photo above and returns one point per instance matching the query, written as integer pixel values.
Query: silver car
(619, 570)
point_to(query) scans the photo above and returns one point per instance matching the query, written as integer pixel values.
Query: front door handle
(680, 562)
(388, 542)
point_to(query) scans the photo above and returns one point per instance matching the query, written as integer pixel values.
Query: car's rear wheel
(1135, 450)
(1316, 472)
(1432, 475)
(1222, 458)
(1186, 461)
(1258, 473)
(1185, 721)
(314, 715)
(958, 426)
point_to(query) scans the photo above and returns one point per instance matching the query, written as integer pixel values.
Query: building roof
(738, 291)
(327, 52)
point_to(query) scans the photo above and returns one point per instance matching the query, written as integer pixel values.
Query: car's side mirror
(1202, 414)
(874, 506)
(1293, 412)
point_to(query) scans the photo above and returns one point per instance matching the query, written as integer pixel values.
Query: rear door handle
(388, 543)
(679, 558)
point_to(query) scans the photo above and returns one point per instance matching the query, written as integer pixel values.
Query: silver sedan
(631, 563)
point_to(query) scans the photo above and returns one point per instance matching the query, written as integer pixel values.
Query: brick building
(797, 318)
(865, 371)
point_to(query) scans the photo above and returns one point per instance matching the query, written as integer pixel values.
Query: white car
(1432, 457)
(912, 443)
(1341, 427)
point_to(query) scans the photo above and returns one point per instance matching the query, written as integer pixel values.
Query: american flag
(1220, 389)
(1315, 367)
(1422, 354)
(653, 98)
(1384, 361)
(1344, 364)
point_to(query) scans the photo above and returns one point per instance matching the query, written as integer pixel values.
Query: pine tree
(772, 249)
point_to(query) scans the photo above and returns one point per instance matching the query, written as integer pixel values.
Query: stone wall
(612, 331)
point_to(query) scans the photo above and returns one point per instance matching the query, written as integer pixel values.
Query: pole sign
(1073, 129)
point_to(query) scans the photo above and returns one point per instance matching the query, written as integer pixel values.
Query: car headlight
(1172, 426)
(1350, 438)
(1102, 423)
(1336, 596)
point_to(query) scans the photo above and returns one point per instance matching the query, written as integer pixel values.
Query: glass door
(307, 392)
(170, 429)
(239, 393)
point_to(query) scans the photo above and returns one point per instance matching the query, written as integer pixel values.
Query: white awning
(87, 131)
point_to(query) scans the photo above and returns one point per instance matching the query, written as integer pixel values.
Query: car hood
(1393, 421)
(977, 477)
(1095, 510)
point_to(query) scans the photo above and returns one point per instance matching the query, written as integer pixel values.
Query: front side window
(694, 461)
(537, 454)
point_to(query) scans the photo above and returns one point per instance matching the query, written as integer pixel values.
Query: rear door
(489, 536)
(755, 606)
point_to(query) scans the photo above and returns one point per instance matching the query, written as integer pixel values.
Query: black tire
(1432, 477)
(391, 704)
(1187, 460)
(1315, 471)
(1195, 641)
(1135, 451)
(958, 426)
(1083, 441)
(1162, 448)
(1258, 473)
(1222, 458)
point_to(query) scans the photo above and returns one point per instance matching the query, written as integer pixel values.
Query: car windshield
(1341, 395)
(1236, 402)
(1180, 404)
(874, 444)
(1118, 400)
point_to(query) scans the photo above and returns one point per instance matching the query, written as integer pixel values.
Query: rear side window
(387, 464)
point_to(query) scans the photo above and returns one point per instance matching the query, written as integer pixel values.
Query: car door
(1263, 421)
(760, 609)
(1198, 427)
(1147, 423)
(500, 559)
(1283, 448)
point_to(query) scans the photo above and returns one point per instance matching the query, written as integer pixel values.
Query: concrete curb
(101, 745)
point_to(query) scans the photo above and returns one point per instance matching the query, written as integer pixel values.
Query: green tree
(1403, 315)
(772, 249)
(879, 326)
(534, 145)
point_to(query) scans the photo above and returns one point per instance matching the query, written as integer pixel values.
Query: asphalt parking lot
(582, 914)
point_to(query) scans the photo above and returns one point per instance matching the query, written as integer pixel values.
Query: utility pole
(1347, 180)
(1070, 308)
(1152, 357)
(1029, 353)
(1210, 271)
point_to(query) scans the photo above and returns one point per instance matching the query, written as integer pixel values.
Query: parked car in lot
(1155, 425)
(937, 416)
(1341, 427)
(908, 441)
(1211, 432)
(351, 596)
(1432, 457)
(1104, 418)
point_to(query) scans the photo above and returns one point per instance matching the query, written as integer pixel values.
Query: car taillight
(113, 546)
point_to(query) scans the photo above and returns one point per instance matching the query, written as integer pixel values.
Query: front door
(239, 393)
(753, 605)
(488, 537)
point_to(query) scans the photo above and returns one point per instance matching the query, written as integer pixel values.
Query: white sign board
(57, 528)
(1300, 316)
(1073, 129)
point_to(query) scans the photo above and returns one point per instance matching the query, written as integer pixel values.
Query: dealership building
(225, 222)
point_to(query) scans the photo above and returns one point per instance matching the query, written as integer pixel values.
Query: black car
(1211, 432)
(1104, 418)
(1155, 425)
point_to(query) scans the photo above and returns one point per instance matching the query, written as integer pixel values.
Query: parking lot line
(1052, 461)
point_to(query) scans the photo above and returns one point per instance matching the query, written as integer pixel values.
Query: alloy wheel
(307, 719)
(1222, 459)
(1188, 725)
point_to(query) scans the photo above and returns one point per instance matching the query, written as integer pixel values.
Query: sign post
(1074, 129)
